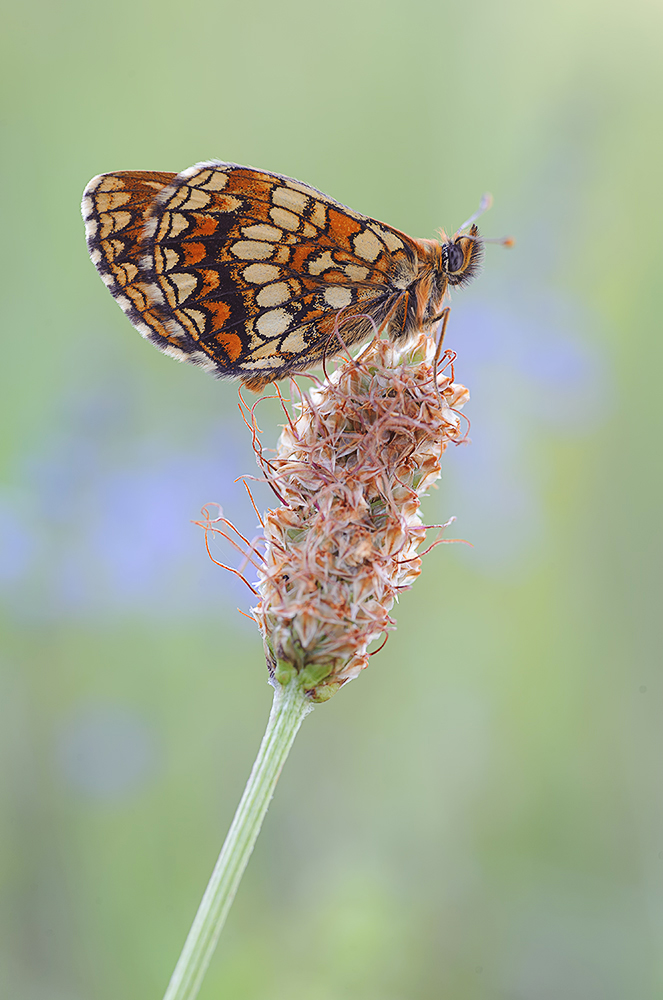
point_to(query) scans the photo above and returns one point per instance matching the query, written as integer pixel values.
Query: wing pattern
(242, 271)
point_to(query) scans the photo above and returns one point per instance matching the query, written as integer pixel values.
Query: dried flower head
(351, 470)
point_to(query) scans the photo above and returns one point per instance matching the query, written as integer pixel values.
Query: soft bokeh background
(479, 817)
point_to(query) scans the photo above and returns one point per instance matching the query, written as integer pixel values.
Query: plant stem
(289, 708)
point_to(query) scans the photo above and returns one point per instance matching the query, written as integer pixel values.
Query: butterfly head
(461, 256)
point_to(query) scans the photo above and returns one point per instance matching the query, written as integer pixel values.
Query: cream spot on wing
(177, 197)
(392, 241)
(272, 360)
(113, 223)
(273, 323)
(269, 350)
(282, 217)
(91, 227)
(108, 279)
(173, 224)
(282, 255)
(178, 223)
(197, 317)
(217, 181)
(356, 272)
(321, 263)
(319, 214)
(106, 202)
(107, 182)
(337, 296)
(185, 284)
(309, 232)
(111, 249)
(287, 198)
(273, 295)
(295, 342)
(95, 256)
(260, 274)
(250, 250)
(197, 200)
(299, 186)
(189, 323)
(262, 232)
(367, 245)
(172, 259)
(130, 271)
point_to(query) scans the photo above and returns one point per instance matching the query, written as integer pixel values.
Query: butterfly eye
(454, 258)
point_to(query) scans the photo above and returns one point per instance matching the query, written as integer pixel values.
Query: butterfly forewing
(243, 271)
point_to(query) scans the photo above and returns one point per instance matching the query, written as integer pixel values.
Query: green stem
(288, 710)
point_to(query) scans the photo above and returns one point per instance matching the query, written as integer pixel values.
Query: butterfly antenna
(485, 203)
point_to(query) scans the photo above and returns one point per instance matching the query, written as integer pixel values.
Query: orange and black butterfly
(256, 276)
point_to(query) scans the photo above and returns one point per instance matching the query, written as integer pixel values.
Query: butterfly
(256, 276)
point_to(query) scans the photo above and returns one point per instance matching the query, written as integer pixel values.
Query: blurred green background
(479, 816)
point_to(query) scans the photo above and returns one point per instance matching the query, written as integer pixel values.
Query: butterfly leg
(399, 305)
(444, 316)
(379, 323)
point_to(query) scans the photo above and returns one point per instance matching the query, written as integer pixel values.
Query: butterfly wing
(115, 209)
(245, 272)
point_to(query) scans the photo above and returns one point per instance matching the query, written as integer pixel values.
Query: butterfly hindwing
(115, 210)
